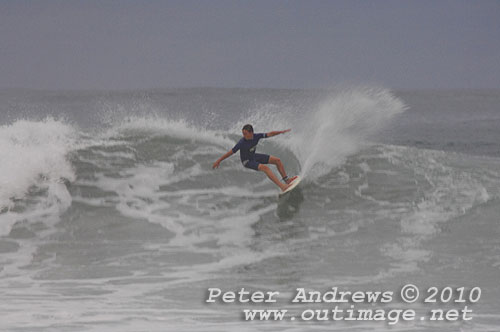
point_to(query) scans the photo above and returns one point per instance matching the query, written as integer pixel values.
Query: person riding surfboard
(257, 161)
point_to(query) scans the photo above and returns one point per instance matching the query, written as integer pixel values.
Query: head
(247, 131)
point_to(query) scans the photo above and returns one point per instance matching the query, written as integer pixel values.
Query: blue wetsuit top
(247, 147)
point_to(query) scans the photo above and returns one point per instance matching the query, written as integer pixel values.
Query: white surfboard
(294, 184)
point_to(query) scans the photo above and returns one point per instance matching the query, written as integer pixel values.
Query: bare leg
(277, 161)
(271, 176)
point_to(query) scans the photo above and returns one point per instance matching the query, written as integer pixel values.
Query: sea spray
(339, 126)
(323, 135)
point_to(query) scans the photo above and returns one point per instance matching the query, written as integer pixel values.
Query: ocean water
(112, 218)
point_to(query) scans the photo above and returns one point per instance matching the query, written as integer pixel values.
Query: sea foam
(34, 158)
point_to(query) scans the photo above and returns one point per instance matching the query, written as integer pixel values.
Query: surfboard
(294, 184)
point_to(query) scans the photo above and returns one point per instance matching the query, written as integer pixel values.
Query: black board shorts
(259, 158)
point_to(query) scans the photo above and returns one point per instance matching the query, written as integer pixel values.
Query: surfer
(258, 161)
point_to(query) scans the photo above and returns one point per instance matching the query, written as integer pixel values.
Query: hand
(216, 164)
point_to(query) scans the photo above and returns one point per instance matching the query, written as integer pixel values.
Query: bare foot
(290, 180)
(285, 187)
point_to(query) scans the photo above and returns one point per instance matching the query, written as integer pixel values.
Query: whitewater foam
(34, 160)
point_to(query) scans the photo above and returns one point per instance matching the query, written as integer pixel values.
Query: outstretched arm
(217, 163)
(274, 133)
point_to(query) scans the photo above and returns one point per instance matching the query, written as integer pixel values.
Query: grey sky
(297, 44)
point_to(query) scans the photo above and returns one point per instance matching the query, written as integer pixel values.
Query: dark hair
(248, 127)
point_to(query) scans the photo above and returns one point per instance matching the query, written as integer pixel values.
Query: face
(247, 134)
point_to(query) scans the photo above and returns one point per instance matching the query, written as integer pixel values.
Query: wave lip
(163, 126)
